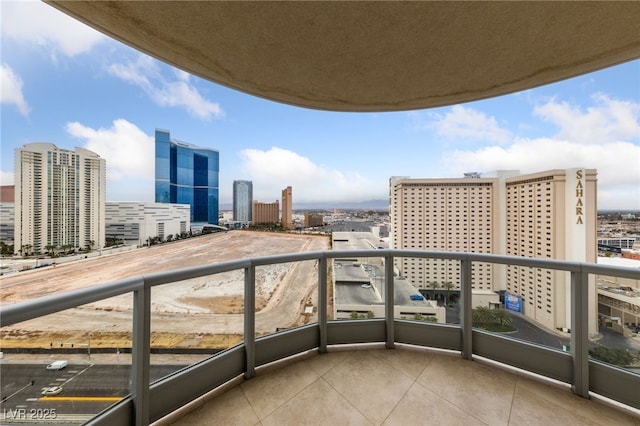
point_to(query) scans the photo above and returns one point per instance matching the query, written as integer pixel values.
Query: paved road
(87, 390)
(526, 330)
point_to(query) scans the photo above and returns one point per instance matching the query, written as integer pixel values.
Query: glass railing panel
(531, 304)
(424, 290)
(196, 318)
(286, 296)
(615, 328)
(68, 366)
(359, 287)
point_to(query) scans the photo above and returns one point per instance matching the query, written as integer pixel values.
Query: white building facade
(59, 198)
(134, 223)
(550, 214)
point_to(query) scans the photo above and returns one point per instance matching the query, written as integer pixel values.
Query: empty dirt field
(203, 312)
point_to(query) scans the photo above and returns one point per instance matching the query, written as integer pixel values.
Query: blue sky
(67, 84)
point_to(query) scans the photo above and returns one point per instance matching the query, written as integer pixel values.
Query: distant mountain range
(361, 205)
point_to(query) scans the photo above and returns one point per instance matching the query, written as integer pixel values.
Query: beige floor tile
(370, 384)
(477, 388)
(595, 411)
(410, 362)
(375, 386)
(323, 363)
(420, 406)
(267, 392)
(532, 410)
(317, 404)
(230, 408)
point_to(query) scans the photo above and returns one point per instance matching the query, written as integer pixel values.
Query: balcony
(408, 385)
(410, 371)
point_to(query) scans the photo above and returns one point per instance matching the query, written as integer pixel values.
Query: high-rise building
(242, 200)
(186, 174)
(447, 215)
(59, 198)
(550, 214)
(266, 213)
(287, 208)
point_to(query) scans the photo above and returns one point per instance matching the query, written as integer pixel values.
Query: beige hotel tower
(550, 214)
(287, 208)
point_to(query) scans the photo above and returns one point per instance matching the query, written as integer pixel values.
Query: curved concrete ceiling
(373, 56)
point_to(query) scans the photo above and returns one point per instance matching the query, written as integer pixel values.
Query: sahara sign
(579, 197)
(512, 302)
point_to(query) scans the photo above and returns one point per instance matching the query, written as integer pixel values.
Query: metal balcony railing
(150, 402)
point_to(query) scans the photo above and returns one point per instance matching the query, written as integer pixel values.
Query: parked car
(366, 286)
(51, 391)
(416, 297)
(57, 365)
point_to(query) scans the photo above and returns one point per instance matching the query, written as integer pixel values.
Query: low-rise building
(7, 214)
(313, 219)
(137, 223)
(619, 298)
(359, 285)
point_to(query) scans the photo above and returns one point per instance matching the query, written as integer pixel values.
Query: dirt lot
(204, 312)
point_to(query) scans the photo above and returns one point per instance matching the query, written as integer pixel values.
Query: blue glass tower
(186, 174)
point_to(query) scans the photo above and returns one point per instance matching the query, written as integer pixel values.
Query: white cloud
(617, 163)
(604, 136)
(129, 154)
(177, 92)
(11, 92)
(468, 124)
(38, 23)
(607, 120)
(273, 170)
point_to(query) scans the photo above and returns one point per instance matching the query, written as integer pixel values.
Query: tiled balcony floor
(405, 386)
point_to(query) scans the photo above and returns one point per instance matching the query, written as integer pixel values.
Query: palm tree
(482, 316)
(448, 285)
(502, 317)
(433, 285)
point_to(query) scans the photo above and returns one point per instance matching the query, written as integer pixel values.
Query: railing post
(580, 332)
(389, 302)
(141, 347)
(250, 320)
(466, 313)
(322, 303)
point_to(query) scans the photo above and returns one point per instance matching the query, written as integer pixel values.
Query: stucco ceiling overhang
(373, 56)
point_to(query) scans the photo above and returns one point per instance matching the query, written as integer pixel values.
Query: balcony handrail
(140, 287)
(23, 311)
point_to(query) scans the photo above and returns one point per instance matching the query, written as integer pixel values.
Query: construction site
(206, 312)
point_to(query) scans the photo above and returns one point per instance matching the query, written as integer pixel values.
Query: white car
(366, 286)
(51, 391)
(57, 365)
